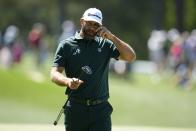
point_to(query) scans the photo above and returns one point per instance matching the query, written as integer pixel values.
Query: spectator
(9, 39)
(10, 36)
(68, 29)
(35, 39)
(156, 48)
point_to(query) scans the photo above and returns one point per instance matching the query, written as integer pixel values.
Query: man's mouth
(91, 33)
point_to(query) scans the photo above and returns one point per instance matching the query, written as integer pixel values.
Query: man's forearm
(59, 78)
(126, 51)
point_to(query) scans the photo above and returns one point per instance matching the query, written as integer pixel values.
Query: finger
(80, 81)
(105, 34)
(75, 85)
(102, 30)
(74, 79)
(102, 33)
(98, 30)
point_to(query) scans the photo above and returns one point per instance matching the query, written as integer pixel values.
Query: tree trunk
(180, 15)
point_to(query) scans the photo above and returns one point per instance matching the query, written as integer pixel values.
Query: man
(90, 48)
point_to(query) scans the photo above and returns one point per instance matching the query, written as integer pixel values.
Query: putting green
(36, 127)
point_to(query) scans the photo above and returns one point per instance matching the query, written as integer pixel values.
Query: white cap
(93, 14)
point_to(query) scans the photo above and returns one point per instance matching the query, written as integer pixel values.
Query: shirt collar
(77, 35)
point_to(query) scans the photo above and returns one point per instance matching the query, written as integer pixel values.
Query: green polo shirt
(75, 53)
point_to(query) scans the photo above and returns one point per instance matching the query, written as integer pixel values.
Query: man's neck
(81, 34)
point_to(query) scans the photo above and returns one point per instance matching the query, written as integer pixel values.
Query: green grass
(21, 97)
(142, 102)
(138, 101)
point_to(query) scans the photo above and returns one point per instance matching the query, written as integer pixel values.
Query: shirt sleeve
(114, 53)
(60, 57)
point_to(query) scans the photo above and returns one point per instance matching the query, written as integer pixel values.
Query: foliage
(131, 20)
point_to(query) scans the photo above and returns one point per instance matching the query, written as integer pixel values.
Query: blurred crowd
(13, 45)
(176, 52)
(10, 46)
(168, 50)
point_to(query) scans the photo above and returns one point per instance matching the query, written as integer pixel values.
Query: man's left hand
(105, 33)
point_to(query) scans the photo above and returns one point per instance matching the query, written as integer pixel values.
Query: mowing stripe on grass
(39, 127)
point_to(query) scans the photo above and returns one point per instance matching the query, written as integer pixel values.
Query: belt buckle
(88, 102)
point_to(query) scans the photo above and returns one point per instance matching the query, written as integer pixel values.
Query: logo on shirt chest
(99, 49)
(77, 51)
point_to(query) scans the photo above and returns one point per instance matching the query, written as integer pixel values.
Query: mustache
(90, 33)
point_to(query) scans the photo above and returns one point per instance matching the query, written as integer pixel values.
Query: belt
(87, 102)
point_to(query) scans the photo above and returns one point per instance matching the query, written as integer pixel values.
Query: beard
(89, 33)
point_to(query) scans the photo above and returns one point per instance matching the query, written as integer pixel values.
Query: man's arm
(126, 51)
(61, 80)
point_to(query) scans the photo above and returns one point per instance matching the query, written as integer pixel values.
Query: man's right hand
(58, 78)
(74, 83)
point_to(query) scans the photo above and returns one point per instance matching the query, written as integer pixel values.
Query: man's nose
(92, 29)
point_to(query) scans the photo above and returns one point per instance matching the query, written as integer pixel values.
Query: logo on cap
(93, 14)
(89, 14)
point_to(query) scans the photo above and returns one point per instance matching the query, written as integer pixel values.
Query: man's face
(90, 28)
